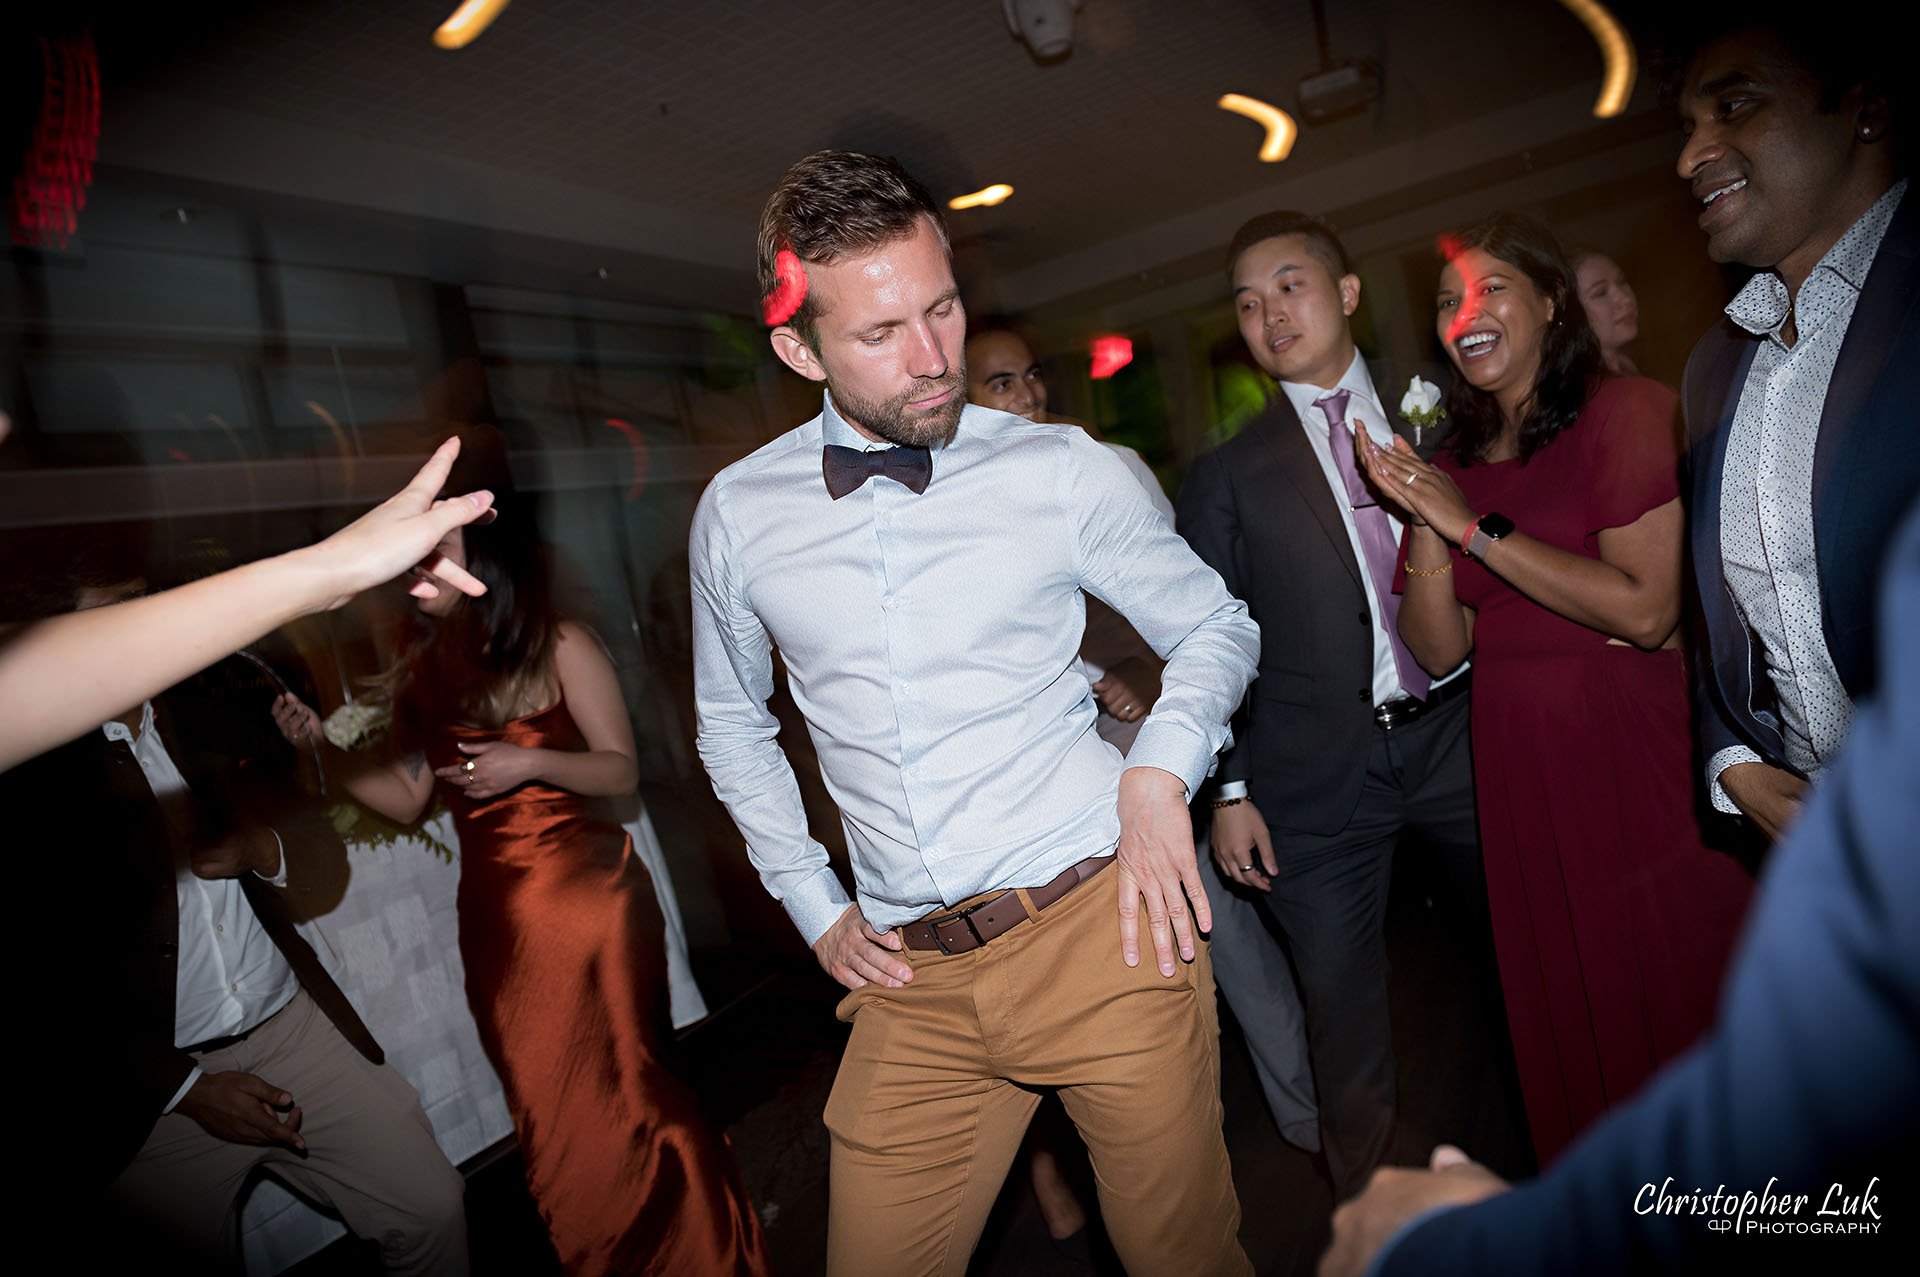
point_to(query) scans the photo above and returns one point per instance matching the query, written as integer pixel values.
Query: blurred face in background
(1293, 311)
(889, 341)
(1002, 374)
(1493, 322)
(1609, 301)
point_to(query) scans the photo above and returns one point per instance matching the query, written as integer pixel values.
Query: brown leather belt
(967, 929)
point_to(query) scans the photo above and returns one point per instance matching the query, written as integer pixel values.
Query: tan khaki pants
(370, 1155)
(931, 1100)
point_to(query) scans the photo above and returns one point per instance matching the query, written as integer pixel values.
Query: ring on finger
(1411, 477)
(1246, 869)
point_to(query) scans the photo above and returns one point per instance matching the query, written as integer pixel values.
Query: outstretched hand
(1424, 490)
(1157, 865)
(400, 533)
(1395, 1195)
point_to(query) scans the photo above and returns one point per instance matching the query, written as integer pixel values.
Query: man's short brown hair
(836, 204)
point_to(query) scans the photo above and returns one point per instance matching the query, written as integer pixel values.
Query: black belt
(1406, 709)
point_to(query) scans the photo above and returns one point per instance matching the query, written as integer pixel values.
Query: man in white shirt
(208, 1039)
(1345, 743)
(925, 598)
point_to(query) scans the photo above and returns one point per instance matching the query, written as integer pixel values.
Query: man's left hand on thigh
(1157, 864)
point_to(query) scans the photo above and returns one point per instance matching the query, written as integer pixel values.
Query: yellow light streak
(1616, 86)
(985, 197)
(467, 22)
(1281, 130)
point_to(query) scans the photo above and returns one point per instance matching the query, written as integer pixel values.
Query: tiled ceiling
(698, 106)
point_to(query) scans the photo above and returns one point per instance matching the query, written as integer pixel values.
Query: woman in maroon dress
(519, 715)
(1546, 542)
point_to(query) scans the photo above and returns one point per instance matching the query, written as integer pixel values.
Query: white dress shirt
(1363, 406)
(931, 642)
(1766, 498)
(231, 976)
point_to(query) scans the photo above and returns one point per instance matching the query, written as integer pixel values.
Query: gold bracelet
(1413, 571)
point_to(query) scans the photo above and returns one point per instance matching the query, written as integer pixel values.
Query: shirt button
(1366, 619)
(235, 986)
(220, 926)
(906, 689)
(1366, 694)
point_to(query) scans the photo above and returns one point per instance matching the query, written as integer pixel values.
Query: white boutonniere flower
(1421, 406)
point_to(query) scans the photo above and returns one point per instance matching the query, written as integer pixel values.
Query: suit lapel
(1286, 441)
(1885, 299)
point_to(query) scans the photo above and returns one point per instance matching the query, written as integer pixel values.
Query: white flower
(1420, 401)
(354, 722)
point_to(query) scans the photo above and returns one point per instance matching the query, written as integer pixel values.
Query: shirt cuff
(1230, 789)
(816, 903)
(185, 1086)
(1171, 747)
(279, 879)
(1721, 760)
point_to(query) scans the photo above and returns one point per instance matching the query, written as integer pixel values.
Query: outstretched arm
(66, 675)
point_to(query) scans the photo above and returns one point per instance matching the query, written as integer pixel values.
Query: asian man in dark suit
(1344, 743)
(175, 848)
(1800, 404)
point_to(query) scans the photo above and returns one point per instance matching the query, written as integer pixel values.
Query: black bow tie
(847, 468)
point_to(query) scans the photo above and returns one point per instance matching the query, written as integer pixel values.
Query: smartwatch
(1489, 529)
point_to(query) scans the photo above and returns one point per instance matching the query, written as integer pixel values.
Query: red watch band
(1466, 538)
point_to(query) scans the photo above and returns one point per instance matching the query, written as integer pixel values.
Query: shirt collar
(117, 730)
(1763, 305)
(1355, 379)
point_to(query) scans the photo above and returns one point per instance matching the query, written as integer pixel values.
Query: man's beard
(893, 421)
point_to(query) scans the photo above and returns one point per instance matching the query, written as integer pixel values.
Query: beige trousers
(934, 1093)
(370, 1156)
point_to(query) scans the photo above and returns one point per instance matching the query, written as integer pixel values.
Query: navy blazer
(1810, 1078)
(1866, 471)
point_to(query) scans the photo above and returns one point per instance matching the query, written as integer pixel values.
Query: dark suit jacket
(99, 914)
(1259, 511)
(1866, 472)
(1812, 1074)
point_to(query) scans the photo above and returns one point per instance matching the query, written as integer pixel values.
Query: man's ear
(1349, 294)
(796, 354)
(1873, 118)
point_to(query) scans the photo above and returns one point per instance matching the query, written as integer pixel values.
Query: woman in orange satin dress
(519, 716)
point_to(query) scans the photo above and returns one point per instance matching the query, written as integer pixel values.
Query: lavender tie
(1376, 538)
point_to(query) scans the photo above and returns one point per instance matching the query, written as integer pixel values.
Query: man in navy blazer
(1800, 404)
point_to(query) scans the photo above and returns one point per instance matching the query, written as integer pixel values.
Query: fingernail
(481, 499)
(1166, 968)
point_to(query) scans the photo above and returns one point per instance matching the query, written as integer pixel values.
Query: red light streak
(1110, 355)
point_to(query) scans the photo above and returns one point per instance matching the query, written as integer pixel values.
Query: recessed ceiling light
(1281, 130)
(985, 197)
(467, 22)
(182, 214)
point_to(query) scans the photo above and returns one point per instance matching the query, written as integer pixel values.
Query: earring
(1866, 132)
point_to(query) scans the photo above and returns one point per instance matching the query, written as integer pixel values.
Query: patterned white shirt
(1766, 503)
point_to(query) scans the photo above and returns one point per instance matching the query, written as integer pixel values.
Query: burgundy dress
(566, 962)
(1611, 920)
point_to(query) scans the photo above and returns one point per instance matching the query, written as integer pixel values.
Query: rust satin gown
(563, 942)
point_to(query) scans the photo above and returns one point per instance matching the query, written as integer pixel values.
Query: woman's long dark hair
(1570, 363)
(455, 668)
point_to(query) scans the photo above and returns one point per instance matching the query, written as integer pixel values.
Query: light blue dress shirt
(931, 643)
